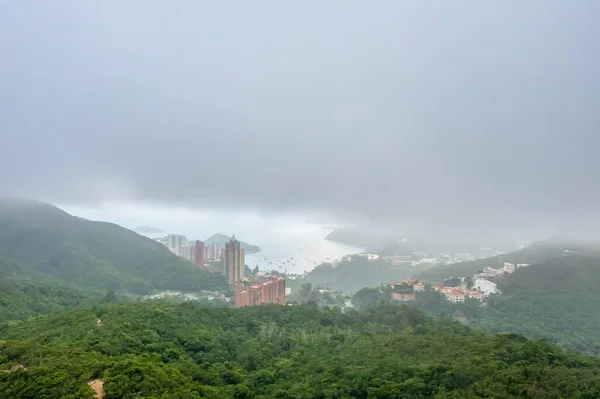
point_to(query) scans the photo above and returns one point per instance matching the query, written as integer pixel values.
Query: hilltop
(222, 239)
(355, 272)
(41, 244)
(157, 349)
(537, 252)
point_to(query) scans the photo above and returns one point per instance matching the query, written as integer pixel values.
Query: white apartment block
(486, 286)
(419, 287)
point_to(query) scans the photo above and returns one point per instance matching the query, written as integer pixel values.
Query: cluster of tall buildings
(270, 291)
(234, 269)
(197, 252)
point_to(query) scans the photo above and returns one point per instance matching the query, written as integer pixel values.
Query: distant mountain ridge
(535, 253)
(358, 237)
(222, 239)
(353, 273)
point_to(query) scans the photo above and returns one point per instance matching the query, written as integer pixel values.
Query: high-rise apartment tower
(234, 261)
(199, 258)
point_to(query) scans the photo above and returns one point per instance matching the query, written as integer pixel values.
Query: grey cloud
(470, 116)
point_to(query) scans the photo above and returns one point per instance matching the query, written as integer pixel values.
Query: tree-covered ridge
(557, 299)
(158, 350)
(41, 242)
(20, 299)
(350, 275)
(536, 253)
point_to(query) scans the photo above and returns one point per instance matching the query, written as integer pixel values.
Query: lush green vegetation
(352, 275)
(367, 297)
(52, 261)
(159, 350)
(22, 298)
(321, 297)
(557, 299)
(41, 242)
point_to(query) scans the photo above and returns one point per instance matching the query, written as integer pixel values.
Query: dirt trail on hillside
(96, 385)
(15, 368)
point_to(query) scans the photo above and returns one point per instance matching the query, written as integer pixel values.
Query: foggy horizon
(460, 120)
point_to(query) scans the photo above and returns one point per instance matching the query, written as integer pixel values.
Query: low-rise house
(455, 296)
(509, 267)
(476, 295)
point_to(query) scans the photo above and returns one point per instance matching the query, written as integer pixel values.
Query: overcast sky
(443, 115)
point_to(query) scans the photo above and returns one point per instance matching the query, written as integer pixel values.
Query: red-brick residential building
(271, 291)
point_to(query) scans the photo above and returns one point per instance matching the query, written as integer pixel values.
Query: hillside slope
(40, 241)
(556, 299)
(157, 349)
(535, 253)
(352, 275)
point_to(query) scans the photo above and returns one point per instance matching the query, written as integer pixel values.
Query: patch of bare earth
(15, 368)
(96, 385)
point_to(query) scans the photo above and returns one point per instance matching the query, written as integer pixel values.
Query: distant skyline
(450, 119)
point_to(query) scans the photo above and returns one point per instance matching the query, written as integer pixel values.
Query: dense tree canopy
(158, 349)
(352, 275)
(42, 243)
(21, 298)
(557, 299)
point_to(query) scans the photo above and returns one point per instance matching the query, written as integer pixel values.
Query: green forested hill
(556, 299)
(41, 243)
(160, 350)
(352, 275)
(535, 253)
(22, 298)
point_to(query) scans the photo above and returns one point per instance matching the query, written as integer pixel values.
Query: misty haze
(266, 199)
